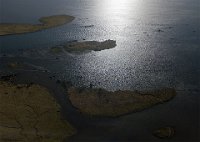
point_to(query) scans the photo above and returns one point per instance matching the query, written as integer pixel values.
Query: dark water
(158, 45)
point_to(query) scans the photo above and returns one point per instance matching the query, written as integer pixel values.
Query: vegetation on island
(29, 113)
(46, 23)
(84, 46)
(100, 102)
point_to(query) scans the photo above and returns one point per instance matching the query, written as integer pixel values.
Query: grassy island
(84, 46)
(46, 22)
(29, 113)
(101, 102)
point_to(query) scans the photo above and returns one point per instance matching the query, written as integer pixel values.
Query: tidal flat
(46, 23)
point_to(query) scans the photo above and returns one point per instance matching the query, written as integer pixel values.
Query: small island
(29, 113)
(75, 46)
(46, 22)
(164, 132)
(100, 102)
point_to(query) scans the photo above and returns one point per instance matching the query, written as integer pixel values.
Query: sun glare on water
(113, 6)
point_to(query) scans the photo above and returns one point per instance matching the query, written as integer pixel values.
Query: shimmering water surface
(158, 45)
(157, 41)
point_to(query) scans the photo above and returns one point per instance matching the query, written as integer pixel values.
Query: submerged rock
(56, 50)
(15, 65)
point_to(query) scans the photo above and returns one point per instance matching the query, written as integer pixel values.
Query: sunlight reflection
(114, 6)
(120, 12)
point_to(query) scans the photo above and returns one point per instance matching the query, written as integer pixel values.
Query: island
(75, 46)
(28, 112)
(100, 102)
(46, 23)
(164, 132)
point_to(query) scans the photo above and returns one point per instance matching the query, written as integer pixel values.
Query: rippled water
(158, 45)
(157, 41)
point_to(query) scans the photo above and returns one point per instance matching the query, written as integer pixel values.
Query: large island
(46, 22)
(100, 102)
(29, 113)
